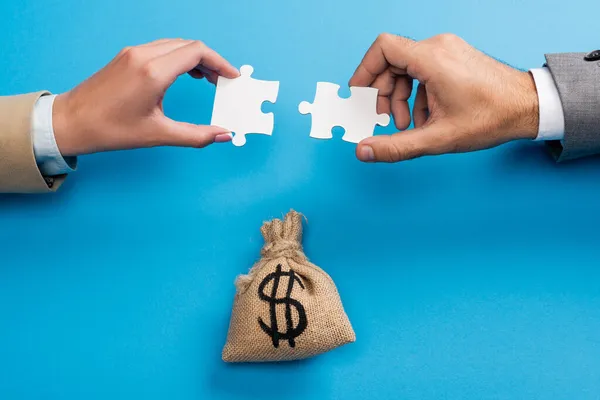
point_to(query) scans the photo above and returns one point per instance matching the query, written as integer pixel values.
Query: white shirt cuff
(47, 155)
(552, 117)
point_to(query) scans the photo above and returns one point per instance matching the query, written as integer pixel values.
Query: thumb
(183, 134)
(426, 140)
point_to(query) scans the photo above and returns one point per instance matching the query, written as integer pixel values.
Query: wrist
(527, 108)
(65, 126)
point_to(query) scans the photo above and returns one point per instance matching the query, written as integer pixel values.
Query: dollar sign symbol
(291, 331)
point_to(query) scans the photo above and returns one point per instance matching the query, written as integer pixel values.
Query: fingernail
(366, 153)
(223, 137)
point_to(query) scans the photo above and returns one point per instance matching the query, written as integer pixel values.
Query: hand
(120, 107)
(465, 100)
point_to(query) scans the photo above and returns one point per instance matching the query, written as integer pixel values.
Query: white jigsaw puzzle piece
(356, 114)
(238, 103)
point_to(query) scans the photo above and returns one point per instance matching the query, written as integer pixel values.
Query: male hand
(120, 107)
(465, 100)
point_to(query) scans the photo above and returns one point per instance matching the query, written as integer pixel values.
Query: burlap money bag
(285, 308)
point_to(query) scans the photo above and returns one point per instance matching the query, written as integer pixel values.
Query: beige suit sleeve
(19, 172)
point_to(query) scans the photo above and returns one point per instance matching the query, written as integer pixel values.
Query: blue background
(465, 276)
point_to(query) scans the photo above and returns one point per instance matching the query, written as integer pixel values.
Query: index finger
(191, 56)
(388, 50)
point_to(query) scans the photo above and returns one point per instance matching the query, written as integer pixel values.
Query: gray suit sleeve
(578, 83)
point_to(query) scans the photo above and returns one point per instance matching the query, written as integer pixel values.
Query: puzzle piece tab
(356, 114)
(238, 102)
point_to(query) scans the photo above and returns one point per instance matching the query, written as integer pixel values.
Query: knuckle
(394, 153)
(435, 53)
(150, 72)
(385, 38)
(400, 152)
(440, 57)
(124, 50)
(199, 142)
(198, 44)
(132, 56)
(447, 39)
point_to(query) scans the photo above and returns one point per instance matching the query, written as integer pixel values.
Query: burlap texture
(305, 310)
